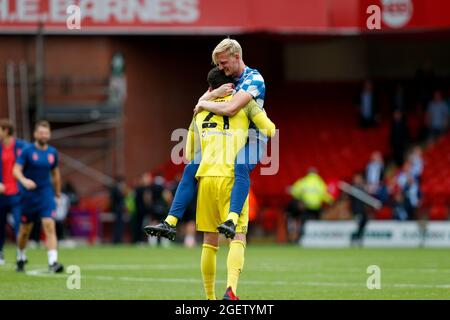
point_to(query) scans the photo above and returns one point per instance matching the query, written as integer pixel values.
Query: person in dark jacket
(399, 137)
(359, 210)
(117, 197)
(143, 196)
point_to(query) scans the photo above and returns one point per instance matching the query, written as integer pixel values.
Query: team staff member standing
(10, 149)
(35, 169)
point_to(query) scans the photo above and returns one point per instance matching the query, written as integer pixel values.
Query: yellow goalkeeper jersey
(220, 138)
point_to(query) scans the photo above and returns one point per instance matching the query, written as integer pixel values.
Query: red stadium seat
(385, 213)
(438, 212)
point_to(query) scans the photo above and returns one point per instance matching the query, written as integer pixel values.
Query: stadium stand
(436, 179)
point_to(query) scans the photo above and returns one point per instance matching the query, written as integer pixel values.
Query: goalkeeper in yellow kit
(219, 139)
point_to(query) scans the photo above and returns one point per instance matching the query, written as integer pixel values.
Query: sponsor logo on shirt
(51, 158)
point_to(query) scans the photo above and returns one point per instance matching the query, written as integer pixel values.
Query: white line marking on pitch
(45, 273)
(256, 268)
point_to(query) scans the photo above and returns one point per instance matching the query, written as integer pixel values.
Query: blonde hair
(227, 45)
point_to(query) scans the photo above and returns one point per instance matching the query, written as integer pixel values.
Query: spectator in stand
(425, 81)
(412, 196)
(403, 174)
(398, 207)
(416, 160)
(62, 210)
(161, 196)
(399, 137)
(447, 101)
(374, 173)
(309, 193)
(130, 205)
(437, 116)
(188, 217)
(398, 102)
(407, 192)
(71, 192)
(143, 196)
(359, 210)
(368, 105)
(117, 194)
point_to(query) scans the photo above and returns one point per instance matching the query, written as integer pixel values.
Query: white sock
(21, 255)
(52, 256)
(165, 242)
(152, 241)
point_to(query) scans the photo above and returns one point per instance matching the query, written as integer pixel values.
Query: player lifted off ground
(249, 86)
(35, 169)
(219, 139)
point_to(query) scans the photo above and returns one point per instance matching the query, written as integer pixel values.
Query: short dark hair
(7, 124)
(217, 77)
(42, 123)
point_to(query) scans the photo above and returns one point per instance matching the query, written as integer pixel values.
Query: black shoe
(56, 268)
(228, 228)
(20, 266)
(229, 295)
(162, 229)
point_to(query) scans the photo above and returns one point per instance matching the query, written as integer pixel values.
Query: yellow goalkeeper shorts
(213, 204)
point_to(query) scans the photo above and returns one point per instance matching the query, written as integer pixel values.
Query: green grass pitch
(270, 272)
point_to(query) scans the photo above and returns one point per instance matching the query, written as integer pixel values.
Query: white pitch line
(139, 267)
(256, 268)
(45, 273)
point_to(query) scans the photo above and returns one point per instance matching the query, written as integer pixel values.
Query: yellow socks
(233, 216)
(172, 220)
(208, 267)
(235, 263)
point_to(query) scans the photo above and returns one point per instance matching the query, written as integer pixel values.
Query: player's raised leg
(183, 197)
(246, 160)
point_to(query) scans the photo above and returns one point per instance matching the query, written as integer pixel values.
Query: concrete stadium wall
(356, 58)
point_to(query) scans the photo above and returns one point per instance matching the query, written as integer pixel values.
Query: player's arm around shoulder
(259, 117)
(226, 108)
(223, 91)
